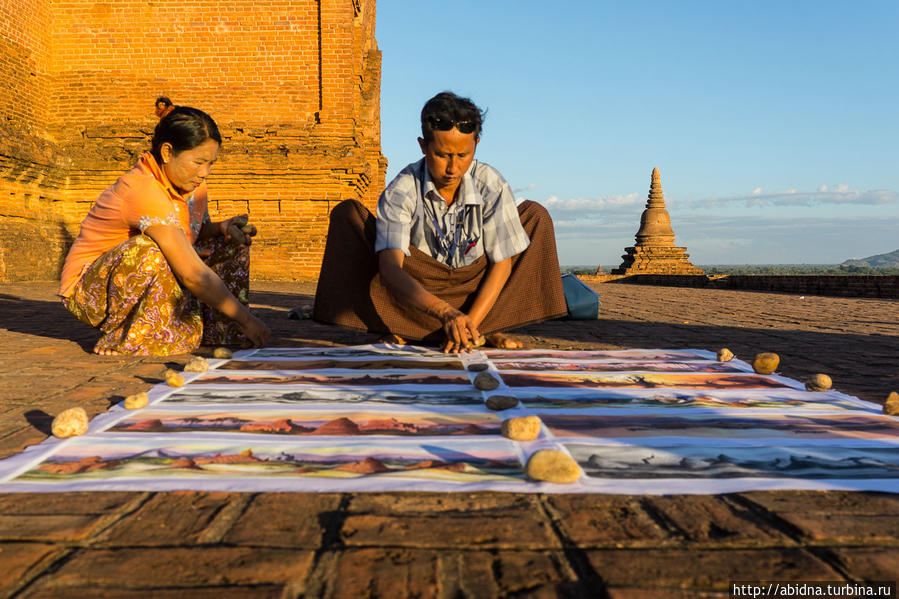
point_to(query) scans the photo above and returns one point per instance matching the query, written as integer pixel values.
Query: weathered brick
(162, 568)
(588, 521)
(283, 520)
(709, 520)
(704, 569)
(19, 559)
(867, 563)
(478, 520)
(175, 518)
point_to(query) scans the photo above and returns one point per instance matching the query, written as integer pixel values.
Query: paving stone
(36, 504)
(590, 521)
(834, 502)
(440, 503)
(51, 527)
(636, 593)
(284, 520)
(866, 563)
(845, 528)
(425, 573)
(19, 439)
(177, 518)
(705, 569)
(220, 592)
(18, 559)
(522, 530)
(447, 520)
(536, 574)
(710, 520)
(176, 568)
(836, 516)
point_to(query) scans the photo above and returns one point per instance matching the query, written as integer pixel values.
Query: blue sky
(774, 124)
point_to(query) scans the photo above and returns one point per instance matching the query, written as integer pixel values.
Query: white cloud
(839, 194)
(602, 204)
(713, 239)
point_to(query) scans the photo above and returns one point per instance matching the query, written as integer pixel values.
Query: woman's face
(187, 170)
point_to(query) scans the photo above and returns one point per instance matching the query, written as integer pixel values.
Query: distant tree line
(766, 269)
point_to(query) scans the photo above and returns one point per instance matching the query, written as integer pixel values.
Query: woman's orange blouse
(138, 199)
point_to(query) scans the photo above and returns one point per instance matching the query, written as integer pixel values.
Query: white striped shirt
(412, 212)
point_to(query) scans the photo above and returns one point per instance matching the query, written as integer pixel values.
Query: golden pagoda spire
(655, 253)
(655, 223)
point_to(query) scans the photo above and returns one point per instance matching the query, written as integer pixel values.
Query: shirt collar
(466, 195)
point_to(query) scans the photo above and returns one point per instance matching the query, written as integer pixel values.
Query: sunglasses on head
(440, 124)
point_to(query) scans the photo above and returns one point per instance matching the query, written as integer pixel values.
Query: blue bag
(583, 302)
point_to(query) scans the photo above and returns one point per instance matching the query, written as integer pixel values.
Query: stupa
(655, 252)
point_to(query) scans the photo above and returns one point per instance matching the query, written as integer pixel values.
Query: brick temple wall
(293, 84)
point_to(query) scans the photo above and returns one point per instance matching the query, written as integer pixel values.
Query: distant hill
(890, 260)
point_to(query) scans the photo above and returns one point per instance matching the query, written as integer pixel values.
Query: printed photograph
(388, 364)
(259, 394)
(724, 461)
(366, 352)
(661, 355)
(723, 426)
(750, 399)
(311, 422)
(214, 377)
(610, 366)
(115, 458)
(642, 381)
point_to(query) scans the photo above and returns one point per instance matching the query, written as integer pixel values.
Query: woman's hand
(255, 330)
(238, 230)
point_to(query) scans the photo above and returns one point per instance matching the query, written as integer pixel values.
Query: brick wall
(293, 85)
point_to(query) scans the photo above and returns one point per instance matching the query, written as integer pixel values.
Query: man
(450, 257)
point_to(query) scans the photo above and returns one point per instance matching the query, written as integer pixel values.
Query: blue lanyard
(448, 243)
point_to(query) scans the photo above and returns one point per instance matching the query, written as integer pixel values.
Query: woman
(139, 250)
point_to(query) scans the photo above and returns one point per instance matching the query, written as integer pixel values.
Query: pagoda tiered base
(649, 260)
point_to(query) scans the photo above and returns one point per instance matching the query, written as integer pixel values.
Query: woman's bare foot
(391, 338)
(500, 341)
(105, 352)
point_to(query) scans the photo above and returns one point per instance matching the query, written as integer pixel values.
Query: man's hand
(461, 332)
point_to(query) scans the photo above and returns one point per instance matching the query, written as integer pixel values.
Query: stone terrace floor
(142, 544)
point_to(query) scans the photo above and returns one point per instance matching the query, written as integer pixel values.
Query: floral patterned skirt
(131, 294)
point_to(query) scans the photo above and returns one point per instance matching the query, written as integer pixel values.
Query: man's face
(448, 157)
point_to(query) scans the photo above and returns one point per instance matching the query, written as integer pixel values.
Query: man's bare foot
(391, 338)
(105, 352)
(500, 341)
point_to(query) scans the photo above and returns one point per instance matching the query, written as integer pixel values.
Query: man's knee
(349, 210)
(351, 219)
(533, 213)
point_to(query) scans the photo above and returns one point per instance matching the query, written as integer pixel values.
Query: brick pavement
(198, 544)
